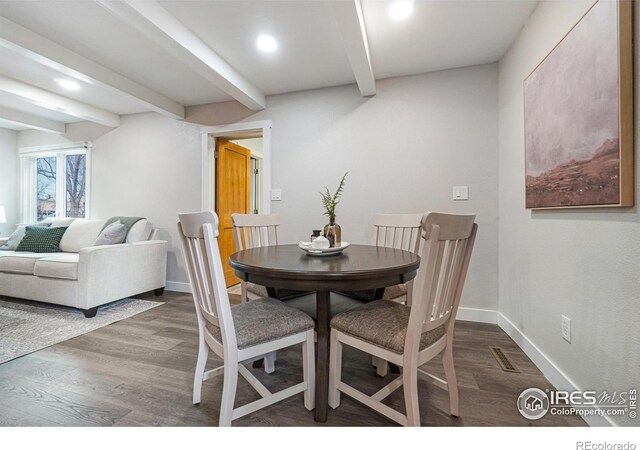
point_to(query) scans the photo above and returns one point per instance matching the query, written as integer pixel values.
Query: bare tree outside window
(46, 187)
(74, 195)
(76, 185)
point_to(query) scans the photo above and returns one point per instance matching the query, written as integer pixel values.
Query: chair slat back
(449, 240)
(199, 237)
(401, 231)
(255, 230)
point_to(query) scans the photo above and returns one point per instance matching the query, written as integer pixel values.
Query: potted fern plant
(332, 230)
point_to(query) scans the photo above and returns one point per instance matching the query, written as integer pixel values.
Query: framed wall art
(578, 115)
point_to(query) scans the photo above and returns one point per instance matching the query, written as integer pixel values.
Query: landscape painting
(572, 110)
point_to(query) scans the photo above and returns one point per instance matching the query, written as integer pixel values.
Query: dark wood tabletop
(358, 267)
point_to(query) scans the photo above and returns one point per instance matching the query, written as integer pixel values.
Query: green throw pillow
(41, 240)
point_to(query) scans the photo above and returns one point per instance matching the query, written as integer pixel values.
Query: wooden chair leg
(243, 292)
(409, 299)
(380, 365)
(309, 371)
(270, 362)
(335, 370)
(410, 384)
(203, 354)
(228, 392)
(452, 382)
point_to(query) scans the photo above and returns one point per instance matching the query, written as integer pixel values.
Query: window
(54, 182)
(46, 187)
(76, 186)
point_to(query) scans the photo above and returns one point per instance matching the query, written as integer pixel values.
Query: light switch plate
(276, 195)
(461, 192)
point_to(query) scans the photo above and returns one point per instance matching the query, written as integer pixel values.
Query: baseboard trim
(177, 286)
(477, 315)
(549, 369)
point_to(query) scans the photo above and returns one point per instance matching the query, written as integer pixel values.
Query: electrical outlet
(566, 328)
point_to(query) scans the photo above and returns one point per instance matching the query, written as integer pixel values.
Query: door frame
(208, 173)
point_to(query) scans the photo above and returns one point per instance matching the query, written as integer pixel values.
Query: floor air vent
(503, 359)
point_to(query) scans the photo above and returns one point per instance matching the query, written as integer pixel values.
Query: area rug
(26, 327)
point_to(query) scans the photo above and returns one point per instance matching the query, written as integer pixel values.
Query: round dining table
(358, 267)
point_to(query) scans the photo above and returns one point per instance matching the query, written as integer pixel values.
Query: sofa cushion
(112, 234)
(18, 234)
(41, 240)
(62, 266)
(59, 221)
(21, 262)
(80, 234)
(140, 231)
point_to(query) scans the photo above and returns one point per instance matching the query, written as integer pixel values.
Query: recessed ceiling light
(266, 43)
(67, 84)
(400, 9)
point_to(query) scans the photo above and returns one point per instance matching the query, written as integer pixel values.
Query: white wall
(149, 166)
(253, 144)
(405, 148)
(584, 264)
(9, 179)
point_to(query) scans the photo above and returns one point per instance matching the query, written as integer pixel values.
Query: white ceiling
(88, 29)
(442, 34)
(312, 53)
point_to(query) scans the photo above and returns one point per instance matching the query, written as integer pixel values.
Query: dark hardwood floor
(139, 372)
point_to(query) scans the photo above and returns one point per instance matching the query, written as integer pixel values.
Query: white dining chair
(242, 334)
(258, 230)
(411, 336)
(250, 231)
(401, 231)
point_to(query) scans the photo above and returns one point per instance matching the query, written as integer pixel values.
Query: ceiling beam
(54, 102)
(43, 51)
(350, 21)
(30, 121)
(151, 19)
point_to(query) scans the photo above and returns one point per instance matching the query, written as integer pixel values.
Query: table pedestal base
(322, 356)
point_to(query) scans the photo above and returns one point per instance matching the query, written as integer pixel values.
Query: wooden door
(233, 195)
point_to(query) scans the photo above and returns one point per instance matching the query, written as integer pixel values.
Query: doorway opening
(235, 179)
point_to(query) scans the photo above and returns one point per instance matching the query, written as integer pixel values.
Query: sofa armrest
(111, 272)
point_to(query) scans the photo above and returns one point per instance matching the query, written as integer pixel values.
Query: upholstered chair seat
(264, 320)
(257, 289)
(383, 323)
(395, 292)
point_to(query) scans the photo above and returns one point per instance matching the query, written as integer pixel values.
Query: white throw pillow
(140, 231)
(80, 234)
(113, 234)
(59, 221)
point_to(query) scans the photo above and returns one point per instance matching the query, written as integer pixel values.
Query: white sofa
(85, 276)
